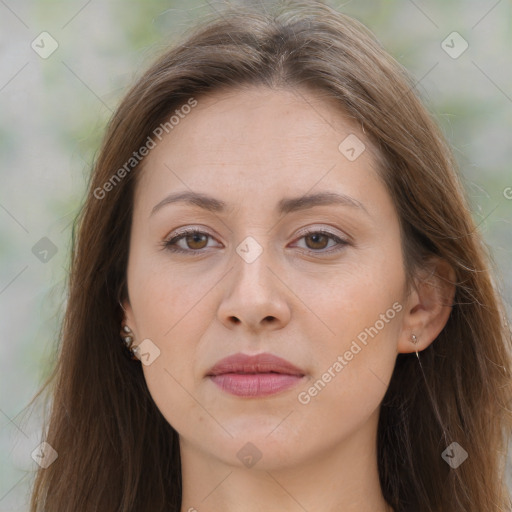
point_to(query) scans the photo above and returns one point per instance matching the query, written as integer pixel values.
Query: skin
(251, 148)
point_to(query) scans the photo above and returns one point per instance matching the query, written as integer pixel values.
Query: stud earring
(127, 337)
(414, 340)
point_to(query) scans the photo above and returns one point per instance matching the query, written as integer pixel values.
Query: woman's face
(318, 282)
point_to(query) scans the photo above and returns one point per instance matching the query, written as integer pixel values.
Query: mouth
(254, 376)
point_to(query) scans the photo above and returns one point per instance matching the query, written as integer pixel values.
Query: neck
(343, 478)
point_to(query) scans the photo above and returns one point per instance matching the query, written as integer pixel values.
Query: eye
(194, 240)
(318, 240)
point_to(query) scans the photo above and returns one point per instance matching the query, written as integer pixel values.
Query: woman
(278, 298)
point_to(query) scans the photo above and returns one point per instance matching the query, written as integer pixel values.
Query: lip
(254, 376)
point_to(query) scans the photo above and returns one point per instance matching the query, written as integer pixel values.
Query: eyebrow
(286, 205)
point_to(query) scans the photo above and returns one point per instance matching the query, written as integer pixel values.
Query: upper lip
(258, 363)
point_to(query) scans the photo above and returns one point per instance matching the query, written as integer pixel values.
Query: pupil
(315, 238)
(195, 238)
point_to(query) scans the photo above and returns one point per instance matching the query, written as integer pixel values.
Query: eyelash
(170, 244)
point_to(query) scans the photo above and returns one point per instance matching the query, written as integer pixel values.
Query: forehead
(262, 140)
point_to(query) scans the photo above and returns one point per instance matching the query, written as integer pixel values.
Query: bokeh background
(58, 90)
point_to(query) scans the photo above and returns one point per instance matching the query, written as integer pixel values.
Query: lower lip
(255, 385)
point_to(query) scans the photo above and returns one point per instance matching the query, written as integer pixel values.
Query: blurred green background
(54, 107)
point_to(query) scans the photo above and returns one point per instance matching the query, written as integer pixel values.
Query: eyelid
(322, 229)
(190, 229)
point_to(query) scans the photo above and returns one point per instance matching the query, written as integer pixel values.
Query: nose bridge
(252, 280)
(254, 296)
(251, 270)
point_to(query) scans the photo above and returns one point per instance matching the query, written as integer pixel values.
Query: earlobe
(128, 313)
(127, 329)
(429, 306)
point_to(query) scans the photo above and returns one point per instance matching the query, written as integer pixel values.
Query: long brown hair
(115, 449)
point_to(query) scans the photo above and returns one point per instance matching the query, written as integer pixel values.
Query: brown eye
(191, 240)
(322, 242)
(197, 240)
(319, 241)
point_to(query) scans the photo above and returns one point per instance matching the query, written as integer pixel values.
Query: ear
(128, 317)
(428, 306)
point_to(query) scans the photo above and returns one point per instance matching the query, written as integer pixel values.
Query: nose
(255, 299)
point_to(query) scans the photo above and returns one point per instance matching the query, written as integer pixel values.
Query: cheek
(173, 311)
(345, 301)
(166, 296)
(358, 319)
(353, 366)
(171, 377)
(174, 315)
